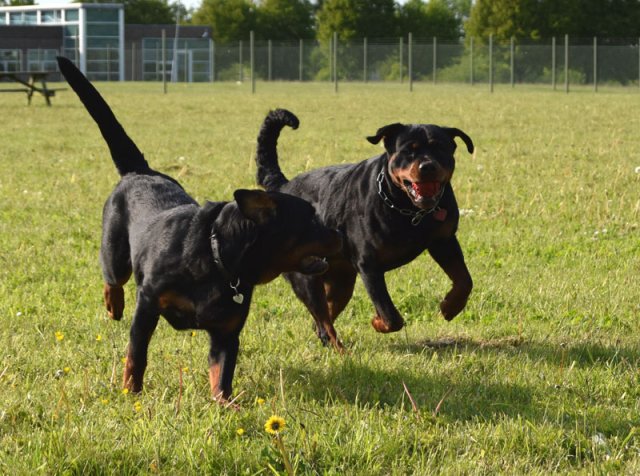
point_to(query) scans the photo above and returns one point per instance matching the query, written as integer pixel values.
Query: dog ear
(255, 205)
(453, 132)
(389, 134)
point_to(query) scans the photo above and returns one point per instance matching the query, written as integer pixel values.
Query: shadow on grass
(467, 393)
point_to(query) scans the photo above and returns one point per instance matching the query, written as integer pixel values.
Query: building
(95, 37)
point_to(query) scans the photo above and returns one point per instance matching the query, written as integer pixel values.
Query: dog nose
(427, 167)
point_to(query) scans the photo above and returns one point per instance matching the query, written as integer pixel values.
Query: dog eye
(415, 145)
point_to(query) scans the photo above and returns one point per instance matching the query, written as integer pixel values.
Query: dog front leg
(448, 254)
(387, 318)
(223, 355)
(145, 320)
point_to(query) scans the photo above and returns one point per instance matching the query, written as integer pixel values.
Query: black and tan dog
(196, 266)
(389, 209)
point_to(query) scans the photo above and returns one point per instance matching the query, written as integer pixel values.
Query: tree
(285, 19)
(426, 20)
(148, 12)
(16, 3)
(352, 19)
(230, 20)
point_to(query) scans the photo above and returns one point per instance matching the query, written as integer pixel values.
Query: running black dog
(196, 266)
(389, 209)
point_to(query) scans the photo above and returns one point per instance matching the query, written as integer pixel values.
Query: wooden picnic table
(31, 82)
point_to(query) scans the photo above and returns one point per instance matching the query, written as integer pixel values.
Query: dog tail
(269, 174)
(125, 154)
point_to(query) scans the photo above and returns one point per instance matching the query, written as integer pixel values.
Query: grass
(538, 375)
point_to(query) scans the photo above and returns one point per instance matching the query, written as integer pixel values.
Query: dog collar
(416, 215)
(238, 297)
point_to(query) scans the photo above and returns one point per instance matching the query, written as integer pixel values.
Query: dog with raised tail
(389, 209)
(194, 265)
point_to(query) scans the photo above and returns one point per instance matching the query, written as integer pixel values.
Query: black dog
(389, 209)
(196, 266)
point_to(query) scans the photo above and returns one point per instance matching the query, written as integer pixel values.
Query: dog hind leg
(116, 265)
(311, 291)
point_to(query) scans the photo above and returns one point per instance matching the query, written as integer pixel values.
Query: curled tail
(269, 174)
(124, 152)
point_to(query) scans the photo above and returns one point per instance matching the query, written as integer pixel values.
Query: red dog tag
(440, 214)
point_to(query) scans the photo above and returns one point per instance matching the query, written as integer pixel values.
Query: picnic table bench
(31, 82)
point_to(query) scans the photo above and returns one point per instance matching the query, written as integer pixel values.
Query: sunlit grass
(538, 375)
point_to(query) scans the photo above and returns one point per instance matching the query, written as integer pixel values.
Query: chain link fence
(556, 62)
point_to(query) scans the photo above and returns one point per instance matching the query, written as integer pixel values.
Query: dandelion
(104, 401)
(185, 370)
(274, 425)
(240, 431)
(260, 401)
(125, 391)
(59, 336)
(98, 337)
(137, 406)
(67, 370)
(193, 333)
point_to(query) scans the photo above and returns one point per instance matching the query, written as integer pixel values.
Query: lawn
(540, 373)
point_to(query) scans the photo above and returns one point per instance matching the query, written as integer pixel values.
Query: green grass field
(540, 373)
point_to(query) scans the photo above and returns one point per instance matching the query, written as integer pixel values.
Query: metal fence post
(595, 64)
(410, 61)
(301, 59)
(212, 60)
(269, 58)
(364, 60)
(512, 61)
(331, 58)
(251, 60)
(553, 62)
(471, 60)
(435, 59)
(133, 61)
(335, 61)
(566, 63)
(401, 60)
(491, 62)
(164, 61)
(240, 75)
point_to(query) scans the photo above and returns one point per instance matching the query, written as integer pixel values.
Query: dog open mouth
(423, 192)
(313, 265)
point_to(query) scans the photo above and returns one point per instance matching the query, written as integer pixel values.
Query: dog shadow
(472, 391)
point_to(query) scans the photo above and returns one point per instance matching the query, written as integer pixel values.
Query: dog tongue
(426, 189)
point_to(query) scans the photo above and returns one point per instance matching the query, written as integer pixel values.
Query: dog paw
(380, 325)
(450, 308)
(114, 301)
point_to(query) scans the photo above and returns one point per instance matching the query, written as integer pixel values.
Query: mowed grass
(538, 375)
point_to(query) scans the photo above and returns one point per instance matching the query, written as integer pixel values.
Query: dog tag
(238, 298)
(440, 214)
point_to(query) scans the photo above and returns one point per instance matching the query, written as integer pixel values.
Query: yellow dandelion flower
(193, 333)
(98, 338)
(274, 425)
(59, 336)
(185, 369)
(105, 401)
(67, 370)
(240, 431)
(123, 360)
(125, 391)
(137, 406)
(260, 401)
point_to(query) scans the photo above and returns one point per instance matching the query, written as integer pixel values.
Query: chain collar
(416, 215)
(238, 297)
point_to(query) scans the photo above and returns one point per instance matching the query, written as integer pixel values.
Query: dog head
(288, 234)
(421, 160)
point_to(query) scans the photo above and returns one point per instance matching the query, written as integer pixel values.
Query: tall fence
(557, 62)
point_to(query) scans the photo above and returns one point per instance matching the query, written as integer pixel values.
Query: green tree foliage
(230, 20)
(285, 20)
(426, 20)
(534, 19)
(16, 3)
(352, 19)
(148, 12)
